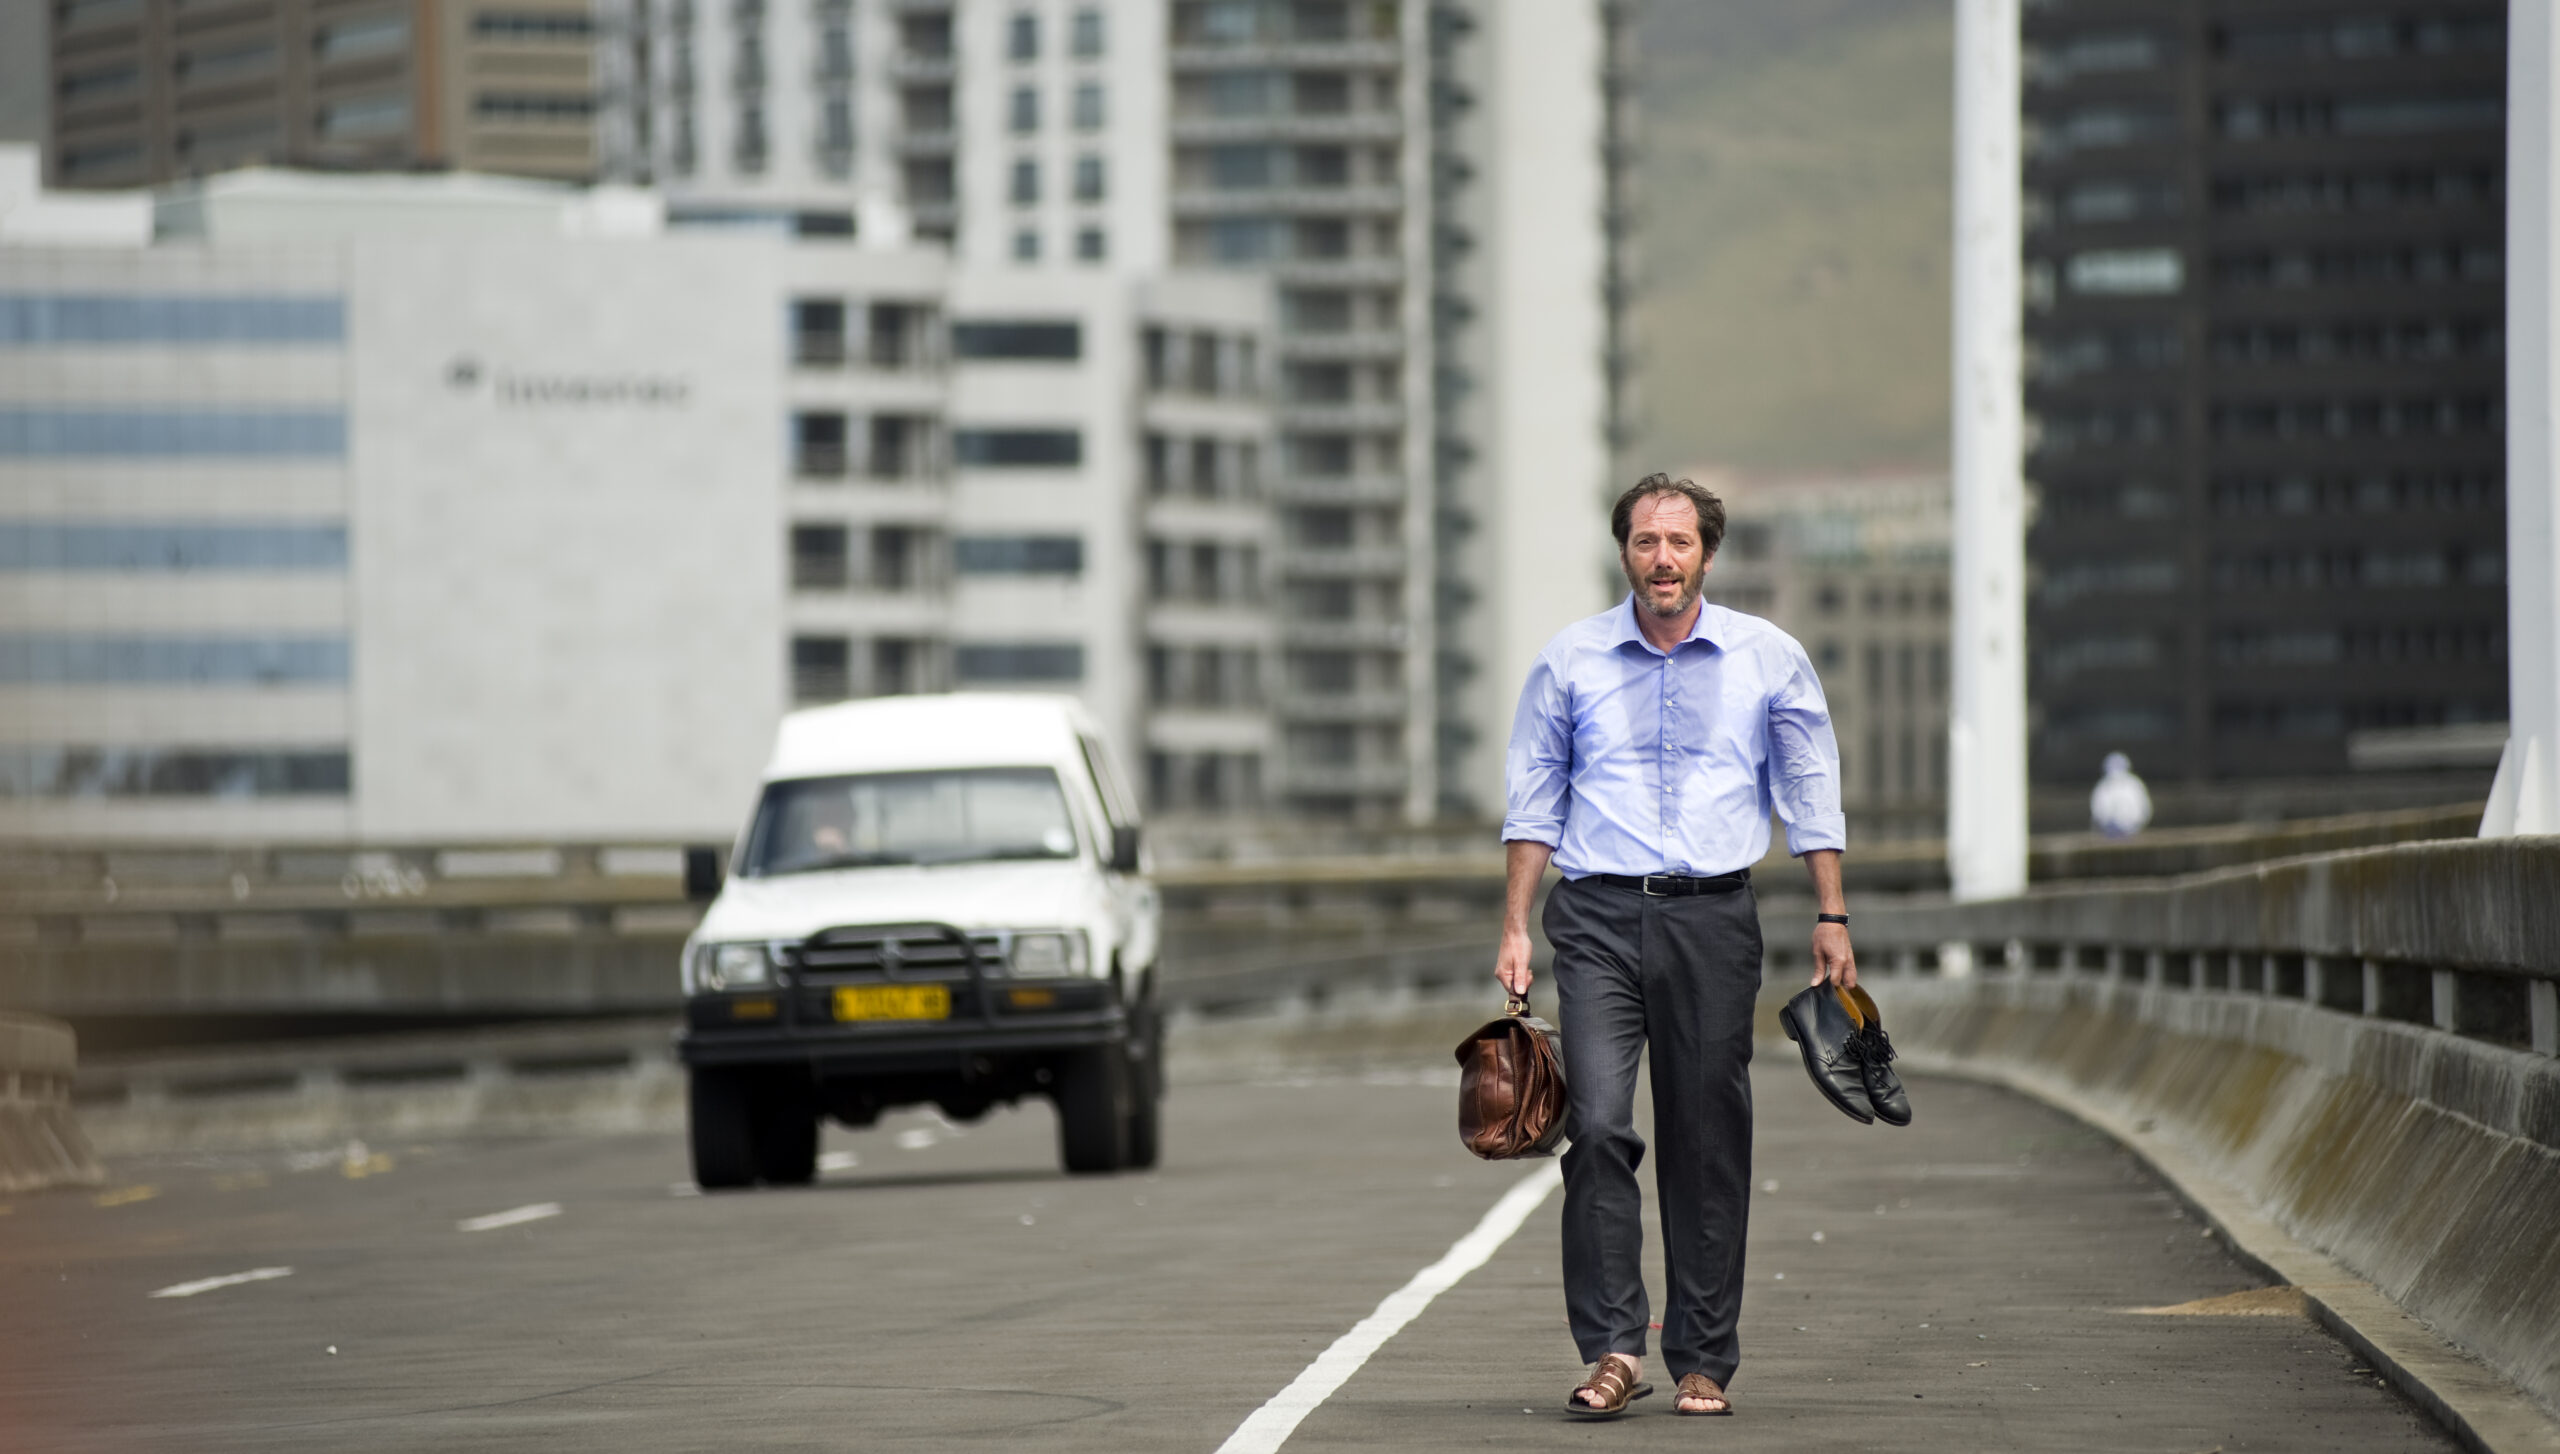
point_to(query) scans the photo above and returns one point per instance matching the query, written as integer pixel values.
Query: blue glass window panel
(31, 659)
(302, 433)
(81, 546)
(174, 772)
(45, 318)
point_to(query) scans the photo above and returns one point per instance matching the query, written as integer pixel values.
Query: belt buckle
(1647, 888)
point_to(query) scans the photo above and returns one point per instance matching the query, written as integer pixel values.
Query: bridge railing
(2462, 935)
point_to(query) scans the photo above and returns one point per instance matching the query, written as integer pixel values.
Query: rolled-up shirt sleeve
(1538, 768)
(1804, 762)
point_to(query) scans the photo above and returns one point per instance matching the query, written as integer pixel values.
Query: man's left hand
(1832, 957)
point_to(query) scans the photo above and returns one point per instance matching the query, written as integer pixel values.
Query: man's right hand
(1511, 962)
(1524, 863)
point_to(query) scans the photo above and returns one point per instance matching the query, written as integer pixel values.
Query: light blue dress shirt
(1629, 761)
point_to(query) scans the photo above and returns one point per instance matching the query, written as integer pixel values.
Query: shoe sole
(1813, 1072)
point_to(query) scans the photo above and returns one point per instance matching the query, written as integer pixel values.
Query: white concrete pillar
(2526, 796)
(1987, 726)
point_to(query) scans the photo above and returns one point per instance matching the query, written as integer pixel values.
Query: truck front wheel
(1092, 1093)
(719, 1122)
(786, 1132)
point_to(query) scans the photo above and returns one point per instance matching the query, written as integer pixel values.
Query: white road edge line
(208, 1284)
(509, 1218)
(1271, 1425)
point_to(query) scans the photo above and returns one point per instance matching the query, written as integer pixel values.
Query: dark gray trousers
(1680, 975)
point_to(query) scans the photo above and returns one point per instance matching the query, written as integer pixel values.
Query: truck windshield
(810, 824)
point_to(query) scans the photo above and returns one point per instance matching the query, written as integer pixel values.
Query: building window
(364, 118)
(1016, 339)
(572, 26)
(835, 134)
(36, 319)
(1018, 448)
(1026, 108)
(62, 659)
(173, 772)
(1087, 36)
(1088, 106)
(2145, 272)
(818, 444)
(750, 147)
(1026, 182)
(821, 669)
(1088, 179)
(50, 546)
(817, 332)
(819, 557)
(1018, 555)
(1026, 246)
(1019, 662)
(539, 109)
(308, 433)
(1022, 37)
(1089, 244)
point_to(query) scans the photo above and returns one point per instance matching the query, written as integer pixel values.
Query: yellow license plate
(894, 1002)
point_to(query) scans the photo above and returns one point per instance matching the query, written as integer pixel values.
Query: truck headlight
(1036, 955)
(731, 967)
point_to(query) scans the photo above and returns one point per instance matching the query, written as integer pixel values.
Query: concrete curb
(40, 1141)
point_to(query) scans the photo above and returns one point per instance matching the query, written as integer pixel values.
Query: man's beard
(1641, 580)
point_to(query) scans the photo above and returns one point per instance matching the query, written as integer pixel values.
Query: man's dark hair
(1710, 509)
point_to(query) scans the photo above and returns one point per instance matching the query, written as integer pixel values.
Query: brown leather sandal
(1615, 1381)
(1698, 1385)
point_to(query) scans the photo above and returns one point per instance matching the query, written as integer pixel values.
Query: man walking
(1651, 745)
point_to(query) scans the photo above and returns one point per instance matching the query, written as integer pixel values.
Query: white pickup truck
(940, 900)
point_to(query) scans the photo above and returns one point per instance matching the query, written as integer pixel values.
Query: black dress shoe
(1875, 1058)
(1825, 1026)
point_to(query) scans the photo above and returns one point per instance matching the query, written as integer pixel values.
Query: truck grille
(854, 954)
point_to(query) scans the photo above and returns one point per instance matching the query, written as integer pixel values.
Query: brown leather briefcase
(1511, 1087)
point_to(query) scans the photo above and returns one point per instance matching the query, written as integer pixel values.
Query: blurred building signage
(572, 391)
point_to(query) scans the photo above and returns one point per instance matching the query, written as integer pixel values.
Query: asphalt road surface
(1965, 1284)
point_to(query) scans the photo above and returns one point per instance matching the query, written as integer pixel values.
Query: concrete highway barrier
(40, 1141)
(2357, 1047)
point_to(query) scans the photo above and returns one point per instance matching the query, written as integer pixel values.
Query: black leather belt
(1674, 885)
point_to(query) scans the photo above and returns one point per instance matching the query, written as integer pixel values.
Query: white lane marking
(917, 1139)
(208, 1284)
(514, 1216)
(1271, 1425)
(838, 1161)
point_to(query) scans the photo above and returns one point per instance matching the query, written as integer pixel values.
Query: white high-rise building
(1434, 190)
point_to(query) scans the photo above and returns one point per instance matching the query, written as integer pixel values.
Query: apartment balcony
(1356, 635)
(1342, 418)
(1366, 345)
(1196, 202)
(1364, 562)
(1353, 272)
(911, 67)
(944, 214)
(1313, 777)
(1342, 55)
(1338, 490)
(1343, 707)
(939, 142)
(1349, 126)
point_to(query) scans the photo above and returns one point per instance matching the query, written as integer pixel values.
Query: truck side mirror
(701, 874)
(1124, 848)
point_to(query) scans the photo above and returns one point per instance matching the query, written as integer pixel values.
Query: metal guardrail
(2460, 935)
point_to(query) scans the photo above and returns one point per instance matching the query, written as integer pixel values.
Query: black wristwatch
(1840, 919)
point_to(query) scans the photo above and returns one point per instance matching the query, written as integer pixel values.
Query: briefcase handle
(1516, 1005)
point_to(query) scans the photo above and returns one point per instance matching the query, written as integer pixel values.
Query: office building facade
(2264, 303)
(369, 509)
